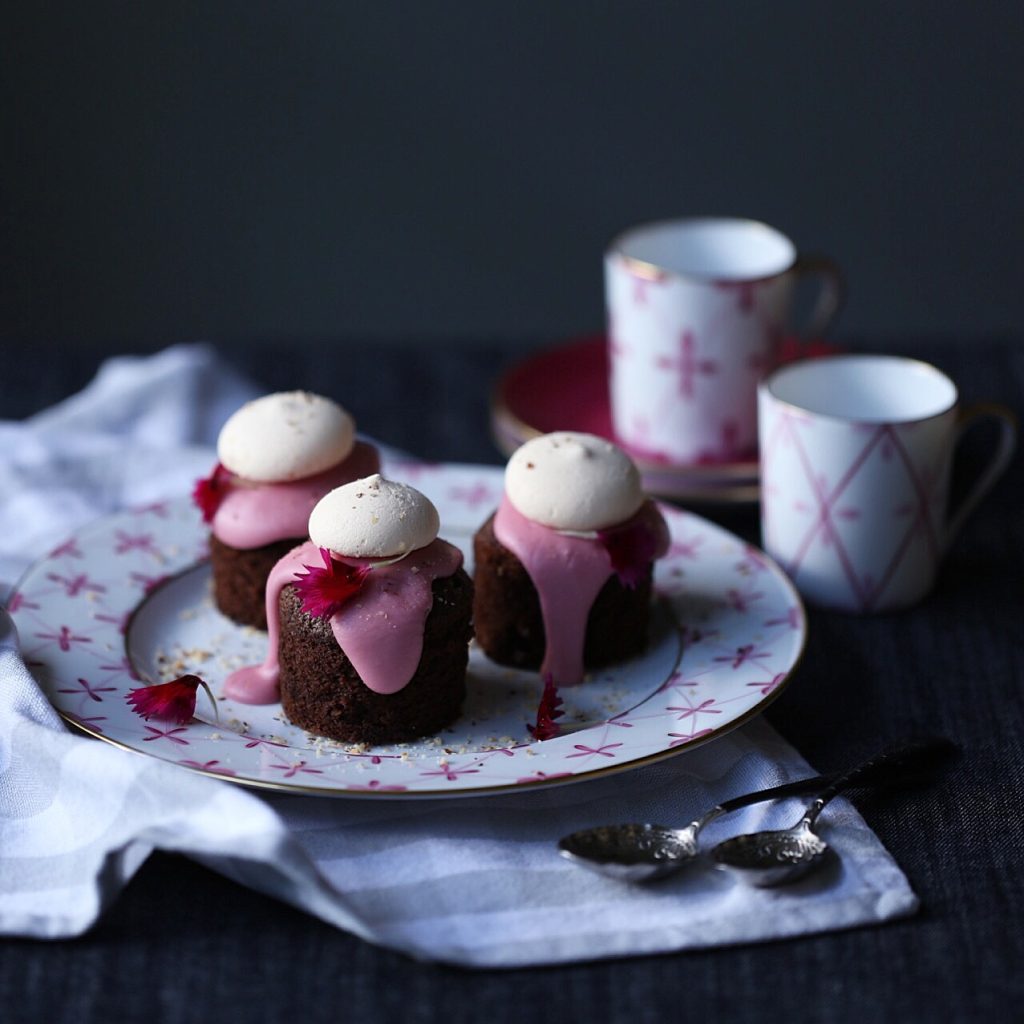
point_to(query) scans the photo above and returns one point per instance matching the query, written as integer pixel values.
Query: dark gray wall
(454, 170)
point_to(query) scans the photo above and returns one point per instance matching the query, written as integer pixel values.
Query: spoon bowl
(631, 852)
(766, 859)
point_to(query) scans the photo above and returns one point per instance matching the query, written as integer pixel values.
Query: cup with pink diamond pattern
(856, 457)
(697, 310)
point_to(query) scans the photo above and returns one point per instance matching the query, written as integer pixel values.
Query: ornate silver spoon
(778, 857)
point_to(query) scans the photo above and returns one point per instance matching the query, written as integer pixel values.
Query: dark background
(453, 171)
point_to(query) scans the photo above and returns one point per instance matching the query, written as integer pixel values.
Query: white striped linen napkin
(473, 881)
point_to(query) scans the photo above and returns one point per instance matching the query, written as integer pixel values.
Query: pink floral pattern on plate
(128, 598)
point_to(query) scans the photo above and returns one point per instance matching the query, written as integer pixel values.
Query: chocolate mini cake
(507, 617)
(563, 569)
(369, 621)
(240, 578)
(323, 693)
(279, 455)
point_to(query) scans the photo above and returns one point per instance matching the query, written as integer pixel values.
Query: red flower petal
(169, 702)
(324, 591)
(631, 548)
(209, 492)
(547, 711)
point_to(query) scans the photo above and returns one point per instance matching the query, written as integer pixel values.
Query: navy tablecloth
(183, 944)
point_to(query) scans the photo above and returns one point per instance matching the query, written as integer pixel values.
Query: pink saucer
(566, 388)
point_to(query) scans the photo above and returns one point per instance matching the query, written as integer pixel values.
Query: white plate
(128, 598)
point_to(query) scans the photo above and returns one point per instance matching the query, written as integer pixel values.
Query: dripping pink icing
(380, 629)
(251, 514)
(568, 573)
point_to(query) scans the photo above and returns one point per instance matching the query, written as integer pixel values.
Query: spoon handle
(796, 788)
(899, 761)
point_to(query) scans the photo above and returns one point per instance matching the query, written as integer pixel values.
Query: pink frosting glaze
(380, 629)
(568, 573)
(251, 515)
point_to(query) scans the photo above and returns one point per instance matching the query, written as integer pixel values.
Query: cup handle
(996, 466)
(831, 295)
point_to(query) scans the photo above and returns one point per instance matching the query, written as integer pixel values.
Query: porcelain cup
(697, 310)
(856, 456)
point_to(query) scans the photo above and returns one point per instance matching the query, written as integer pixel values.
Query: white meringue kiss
(285, 436)
(373, 518)
(573, 482)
